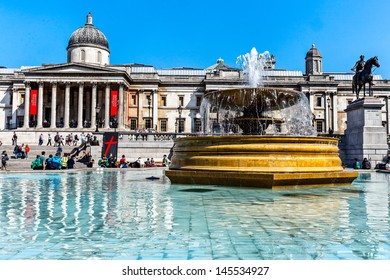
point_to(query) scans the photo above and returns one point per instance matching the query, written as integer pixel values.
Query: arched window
(82, 55)
(99, 57)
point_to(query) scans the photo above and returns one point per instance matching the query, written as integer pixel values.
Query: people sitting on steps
(37, 163)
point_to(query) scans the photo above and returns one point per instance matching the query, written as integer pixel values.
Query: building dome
(313, 52)
(88, 35)
(88, 45)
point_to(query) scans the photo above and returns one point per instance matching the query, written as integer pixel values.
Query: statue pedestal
(365, 135)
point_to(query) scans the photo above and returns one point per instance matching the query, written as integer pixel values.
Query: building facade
(87, 91)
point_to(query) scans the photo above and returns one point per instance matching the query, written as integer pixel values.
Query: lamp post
(330, 130)
(149, 103)
(97, 108)
(179, 110)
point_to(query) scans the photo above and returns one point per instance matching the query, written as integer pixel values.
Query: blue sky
(181, 33)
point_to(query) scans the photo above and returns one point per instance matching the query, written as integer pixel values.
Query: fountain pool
(115, 215)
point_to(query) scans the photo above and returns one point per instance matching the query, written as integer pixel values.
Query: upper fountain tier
(264, 99)
(251, 111)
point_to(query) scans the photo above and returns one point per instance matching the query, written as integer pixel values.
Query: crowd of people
(366, 164)
(58, 162)
(21, 151)
(69, 140)
(111, 161)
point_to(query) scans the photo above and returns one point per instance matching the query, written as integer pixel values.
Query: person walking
(14, 139)
(48, 140)
(4, 159)
(40, 140)
(27, 150)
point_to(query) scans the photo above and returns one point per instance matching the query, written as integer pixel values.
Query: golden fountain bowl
(258, 161)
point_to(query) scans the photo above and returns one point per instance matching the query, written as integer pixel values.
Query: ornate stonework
(88, 35)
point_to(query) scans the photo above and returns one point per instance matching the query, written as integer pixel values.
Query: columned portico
(64, 99)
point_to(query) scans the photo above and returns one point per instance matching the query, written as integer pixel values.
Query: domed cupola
(313, 61)
(88, 44)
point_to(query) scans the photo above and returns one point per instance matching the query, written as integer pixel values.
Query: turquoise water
(121, 215)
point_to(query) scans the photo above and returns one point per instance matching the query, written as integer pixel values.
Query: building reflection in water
(106, 214)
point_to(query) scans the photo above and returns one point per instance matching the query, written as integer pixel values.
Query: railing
(152, 136)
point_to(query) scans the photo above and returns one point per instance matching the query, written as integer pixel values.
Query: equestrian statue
(363, 75)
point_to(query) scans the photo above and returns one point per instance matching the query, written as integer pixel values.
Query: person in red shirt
(27, 149)
(123, 162)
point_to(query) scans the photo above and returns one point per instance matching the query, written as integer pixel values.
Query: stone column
(93, 105)
(67, 105)
(27, 106)
(14, 107)
(327, 112)
(53, 105)
(140, 108)
(387, 114)
(40, 106)
(120, 107)
(334, 102)
(80, 106)
(87, 105)
(311, 102)
(155, 109)
(107, 107)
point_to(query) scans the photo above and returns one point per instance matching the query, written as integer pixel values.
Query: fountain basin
(258, 161)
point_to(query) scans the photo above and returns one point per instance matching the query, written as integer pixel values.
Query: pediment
(71, 68)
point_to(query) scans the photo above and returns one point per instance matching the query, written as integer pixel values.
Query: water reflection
(120, 215)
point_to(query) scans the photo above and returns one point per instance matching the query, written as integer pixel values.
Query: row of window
(163, 100)
(83, 56)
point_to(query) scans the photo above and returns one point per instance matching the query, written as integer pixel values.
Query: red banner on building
(114, 103)
(33, 101)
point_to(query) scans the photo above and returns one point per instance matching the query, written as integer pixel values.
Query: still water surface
(122, 215)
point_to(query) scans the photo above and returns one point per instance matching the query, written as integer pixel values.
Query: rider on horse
(359, 65)
(363, 75)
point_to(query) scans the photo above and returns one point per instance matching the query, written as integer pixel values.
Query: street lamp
(179, 110)
(97, 116)
(330, 130)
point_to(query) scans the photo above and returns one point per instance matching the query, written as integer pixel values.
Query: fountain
(257, 137)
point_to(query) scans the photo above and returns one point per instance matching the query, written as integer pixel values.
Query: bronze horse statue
(365, 76)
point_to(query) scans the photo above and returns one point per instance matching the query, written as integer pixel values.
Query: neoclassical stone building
(87, 91)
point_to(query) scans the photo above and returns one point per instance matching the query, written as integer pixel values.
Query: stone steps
(25, 164)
